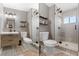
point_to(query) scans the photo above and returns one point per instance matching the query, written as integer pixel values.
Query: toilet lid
(50, 42)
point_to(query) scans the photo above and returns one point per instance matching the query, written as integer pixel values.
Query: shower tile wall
(33, 21)
(35, 26)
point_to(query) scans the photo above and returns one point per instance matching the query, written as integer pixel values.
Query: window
(66, 20)
(71, 19)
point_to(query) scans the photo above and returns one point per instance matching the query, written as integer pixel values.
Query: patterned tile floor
(24, 50)
(58, 51)
(30, 50)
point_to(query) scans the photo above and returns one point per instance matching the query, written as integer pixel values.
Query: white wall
(20, 16)
(71, 12)
(52, 20)
(43, 10)
(1, 17)
(29, 19)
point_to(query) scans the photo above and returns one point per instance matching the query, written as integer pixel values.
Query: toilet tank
(44, 36)
(23, 34)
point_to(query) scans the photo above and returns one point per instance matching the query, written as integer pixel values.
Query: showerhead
(58, 10)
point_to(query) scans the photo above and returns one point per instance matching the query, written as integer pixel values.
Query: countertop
(9, 32)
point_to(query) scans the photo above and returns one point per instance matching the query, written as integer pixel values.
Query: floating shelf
(43, 24)
(23, 26)
(43, 17)
(22, 21)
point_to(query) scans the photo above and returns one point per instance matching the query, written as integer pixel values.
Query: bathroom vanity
(9, 39)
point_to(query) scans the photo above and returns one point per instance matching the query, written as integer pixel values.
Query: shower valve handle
(75, 27)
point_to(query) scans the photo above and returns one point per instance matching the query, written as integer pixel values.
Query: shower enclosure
(66, 28)
(63, 26)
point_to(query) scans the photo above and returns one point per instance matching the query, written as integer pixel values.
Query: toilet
(46, 41)
(25, 39)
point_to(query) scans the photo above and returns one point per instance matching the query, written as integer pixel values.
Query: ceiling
(64, 6)
(27, 6)
(21, 6)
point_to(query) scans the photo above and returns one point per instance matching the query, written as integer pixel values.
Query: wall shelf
(43, 24)
(22, 21)
(43, 17)
(23, 24)
(43, 21)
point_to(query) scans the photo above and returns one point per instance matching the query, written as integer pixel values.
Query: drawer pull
(10, 40)
(10, 35)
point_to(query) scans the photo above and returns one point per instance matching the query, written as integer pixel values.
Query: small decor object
(23, 24)
(43, 20)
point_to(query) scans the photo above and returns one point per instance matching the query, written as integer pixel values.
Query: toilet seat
(24, 36)
(27, 40)
(50, 43)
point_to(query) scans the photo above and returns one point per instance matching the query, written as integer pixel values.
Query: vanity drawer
(7, 40)
(7, 37)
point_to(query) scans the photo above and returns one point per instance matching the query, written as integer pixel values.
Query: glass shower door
(66, 30)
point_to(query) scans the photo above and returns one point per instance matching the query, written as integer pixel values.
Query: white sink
(9, 32)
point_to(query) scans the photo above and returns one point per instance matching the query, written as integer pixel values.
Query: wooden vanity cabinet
(9, 40)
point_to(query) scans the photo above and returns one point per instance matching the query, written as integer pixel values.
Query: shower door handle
(75, 27)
